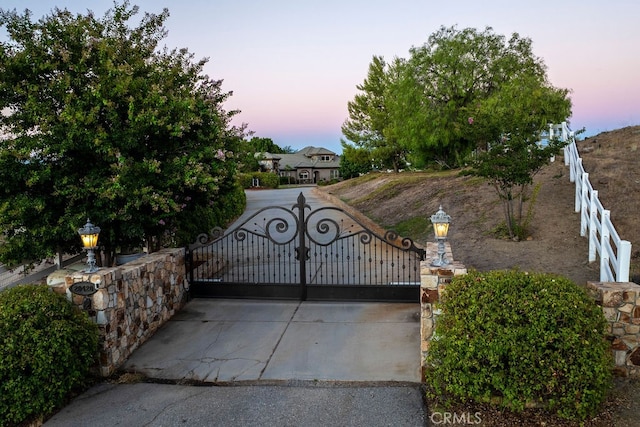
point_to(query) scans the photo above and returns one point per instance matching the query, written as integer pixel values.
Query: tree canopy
(354, 161)
(449, 80)
(260, 145)
(464, 98)
(101, 122)
(369, 125)
(429, 108)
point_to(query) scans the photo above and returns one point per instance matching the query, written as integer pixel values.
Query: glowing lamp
(89, 235)
(440, 221)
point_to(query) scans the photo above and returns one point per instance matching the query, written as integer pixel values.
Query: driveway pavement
(250, 340)
(284, 363)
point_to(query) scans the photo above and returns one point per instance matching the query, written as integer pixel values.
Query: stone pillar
(433, 281)
(131, 302)
(620, 302)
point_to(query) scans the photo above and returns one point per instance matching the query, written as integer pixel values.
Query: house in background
(307, 166)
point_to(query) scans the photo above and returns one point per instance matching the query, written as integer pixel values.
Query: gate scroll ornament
(290, 255)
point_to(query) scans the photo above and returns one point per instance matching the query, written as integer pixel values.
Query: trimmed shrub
(288, 180)
(266, 179)
(518, 338)
(47, 347)
(228, 205)
(244, 179)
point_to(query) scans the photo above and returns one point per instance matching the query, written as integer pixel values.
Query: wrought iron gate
(326, 254)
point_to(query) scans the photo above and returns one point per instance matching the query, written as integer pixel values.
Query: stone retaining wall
(620, 302)
(132, 301)
(433, 281)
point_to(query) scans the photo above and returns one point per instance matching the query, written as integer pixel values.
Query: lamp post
(440, 222)
(89, 235)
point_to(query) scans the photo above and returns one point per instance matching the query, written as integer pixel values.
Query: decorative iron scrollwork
(204, 238)
(406, 243)
(277, 230)
(303, 246)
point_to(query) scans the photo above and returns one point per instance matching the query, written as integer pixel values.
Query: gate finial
(302, 204)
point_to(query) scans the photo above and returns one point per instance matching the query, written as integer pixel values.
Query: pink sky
(293, 65)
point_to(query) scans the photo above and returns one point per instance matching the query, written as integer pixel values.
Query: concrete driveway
(274, 363)
(218, 340)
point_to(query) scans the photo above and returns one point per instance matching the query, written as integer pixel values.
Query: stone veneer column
(131, 302)
(433, 280)
(620, 304)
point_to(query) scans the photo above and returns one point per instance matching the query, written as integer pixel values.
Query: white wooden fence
(595, 221)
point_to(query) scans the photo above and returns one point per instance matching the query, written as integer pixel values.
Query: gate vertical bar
(302, 248)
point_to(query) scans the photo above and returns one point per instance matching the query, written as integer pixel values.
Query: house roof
(305, 159)
(315, 151)
(268, 156)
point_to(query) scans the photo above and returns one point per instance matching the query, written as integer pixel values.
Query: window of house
(304, 175)
(335, 173)
(325, 158)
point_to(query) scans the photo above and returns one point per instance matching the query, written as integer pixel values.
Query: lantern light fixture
(440, 221)
(89, 235)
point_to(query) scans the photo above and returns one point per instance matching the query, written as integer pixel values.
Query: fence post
(568, 161)
(572, 162)
(582, 206)
(592, 228)
(624, 261)
(604, 241)
(579, 185)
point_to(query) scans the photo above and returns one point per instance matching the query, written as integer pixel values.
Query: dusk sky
(294, 64)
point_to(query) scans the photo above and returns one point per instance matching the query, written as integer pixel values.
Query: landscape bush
(228, 207)
(47, 347)
(288, 180)
(266, 179)
(515, 339)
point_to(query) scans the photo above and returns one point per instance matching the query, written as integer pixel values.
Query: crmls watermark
(454, 418)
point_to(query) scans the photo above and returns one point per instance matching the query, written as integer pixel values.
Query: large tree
(369, 125)
(446, 81)
(466, 91)
(101, 122)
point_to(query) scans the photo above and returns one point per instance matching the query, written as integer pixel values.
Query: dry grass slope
(555, 244)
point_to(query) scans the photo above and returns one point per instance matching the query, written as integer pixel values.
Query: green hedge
(516, 338)
(267, 179)
(229, 205)
(288, 180)
(47, 347)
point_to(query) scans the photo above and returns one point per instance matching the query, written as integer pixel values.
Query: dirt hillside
(555, 244)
